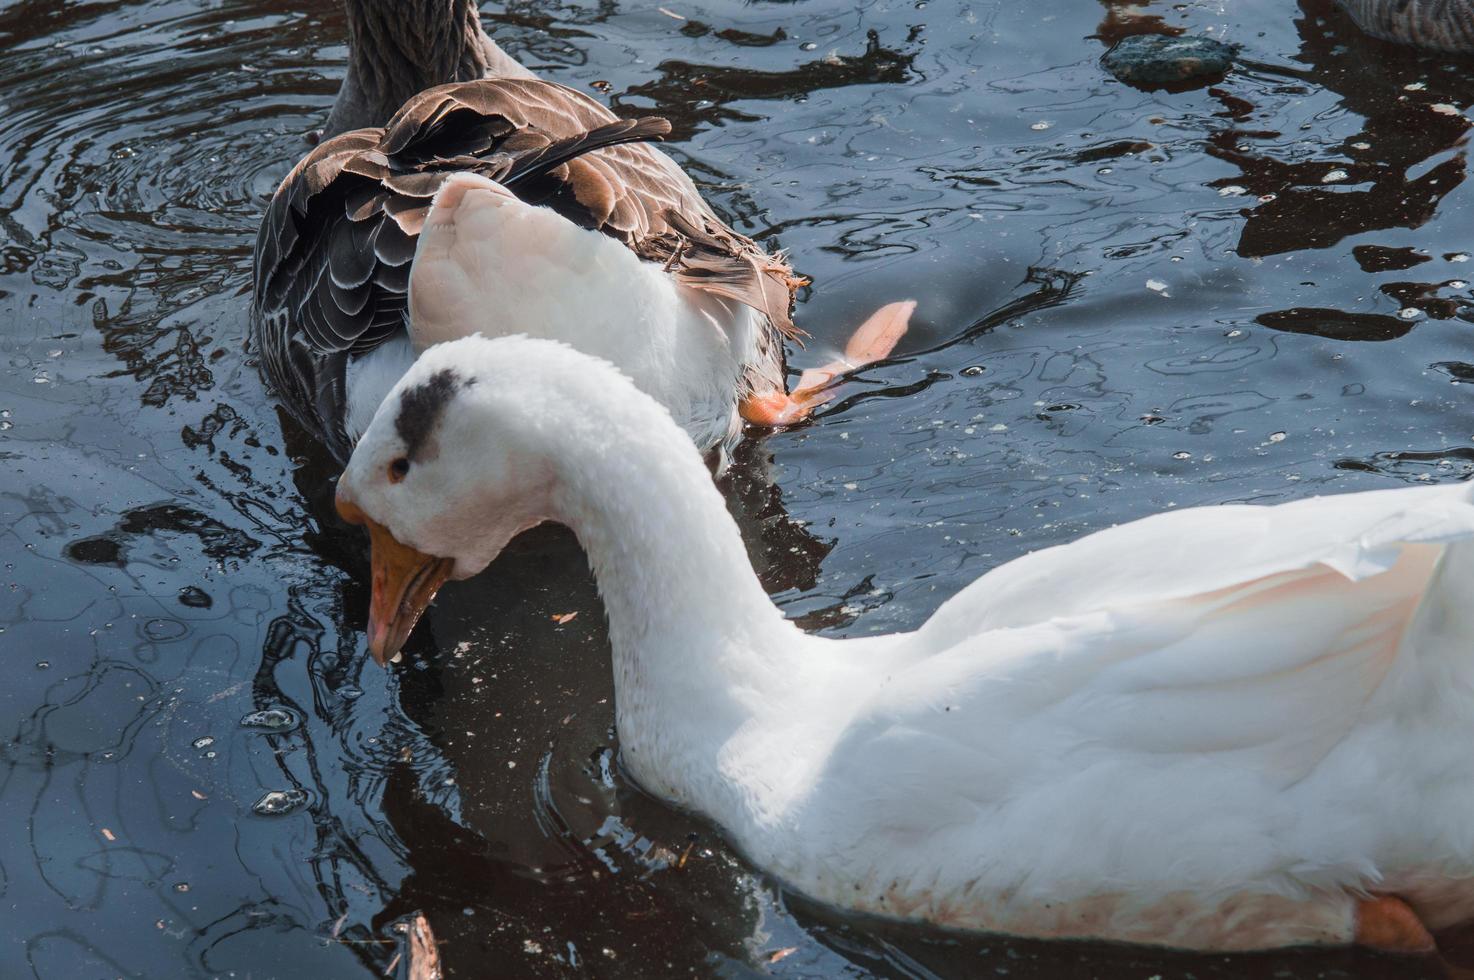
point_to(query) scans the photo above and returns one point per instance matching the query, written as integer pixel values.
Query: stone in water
(1152, 60)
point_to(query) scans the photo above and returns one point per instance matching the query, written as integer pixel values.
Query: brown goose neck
(400, 47)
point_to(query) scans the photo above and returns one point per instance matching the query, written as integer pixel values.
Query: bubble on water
(4, 424)
(1409, 312)
(279, 802)
(1277, 437)
(1232, 190)
(43, 664)
(807, 46)
(350, 692)
(1457, 284)
(1183, 454)
(1457, 256)
(1041, 125)
(271, 719)
(203, 742)
(1361, 146)
(972, 370)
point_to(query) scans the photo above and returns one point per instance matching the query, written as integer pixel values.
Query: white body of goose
(490, 263)
(1221, 728)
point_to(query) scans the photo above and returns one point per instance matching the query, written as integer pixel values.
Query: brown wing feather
(334, 252)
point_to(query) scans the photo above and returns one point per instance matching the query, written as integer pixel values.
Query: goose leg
(875, 338)
(1385, 922)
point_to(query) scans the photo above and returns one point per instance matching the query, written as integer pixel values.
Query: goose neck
(699, 649)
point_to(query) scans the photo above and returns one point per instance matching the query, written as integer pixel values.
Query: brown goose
(507, 204)
(1440, 25)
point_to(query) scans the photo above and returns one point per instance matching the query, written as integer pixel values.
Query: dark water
(1129, 302)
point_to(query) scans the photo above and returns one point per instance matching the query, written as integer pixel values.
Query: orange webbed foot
(874, 339)
(1387, 923)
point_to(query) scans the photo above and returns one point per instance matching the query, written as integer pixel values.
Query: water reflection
(694, 96)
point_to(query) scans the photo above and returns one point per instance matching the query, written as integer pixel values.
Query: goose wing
(1175, 679)
(334, 252)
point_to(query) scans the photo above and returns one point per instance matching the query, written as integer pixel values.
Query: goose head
(452, 467)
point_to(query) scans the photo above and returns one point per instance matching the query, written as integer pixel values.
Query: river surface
(1129, 301)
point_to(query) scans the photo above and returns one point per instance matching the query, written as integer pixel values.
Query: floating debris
(1157, 286)
(109, 835)
(1153, 60)
(203, 742)
(195, 597)
(279, 802)
(1335, 176)
(561, 618)
(271, 719)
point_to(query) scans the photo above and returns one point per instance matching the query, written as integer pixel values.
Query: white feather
(488, 263)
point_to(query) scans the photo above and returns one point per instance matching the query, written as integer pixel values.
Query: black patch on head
(420, 409)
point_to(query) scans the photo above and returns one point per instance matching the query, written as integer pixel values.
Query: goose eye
(398, 469)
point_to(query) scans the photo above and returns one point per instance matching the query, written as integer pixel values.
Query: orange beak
(404, 582)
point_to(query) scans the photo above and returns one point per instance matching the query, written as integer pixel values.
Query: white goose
(503, 204)
(1220, 728)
